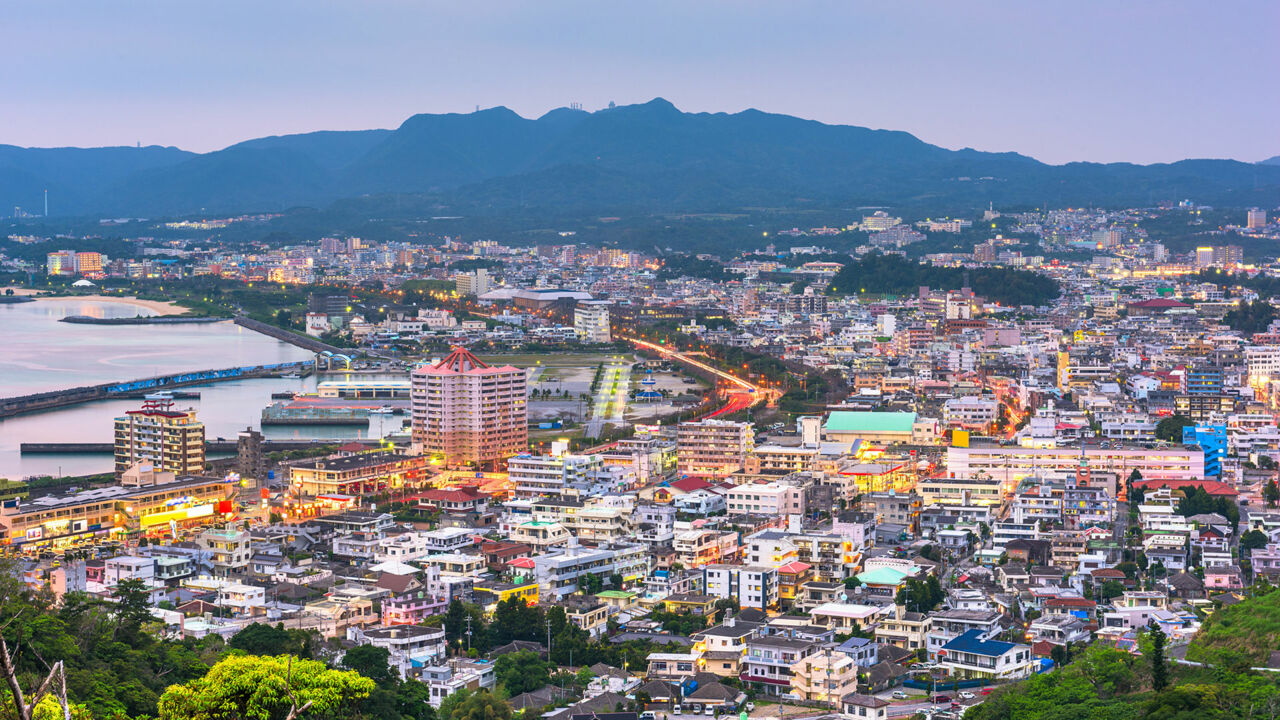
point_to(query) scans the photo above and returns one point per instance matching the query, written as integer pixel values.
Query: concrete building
(469, 413)
(1009, 464)
(712, 447)
(473, 283)
(167, 439)
(754, 586)
(591, 320)
(356, 474)
(766, 499)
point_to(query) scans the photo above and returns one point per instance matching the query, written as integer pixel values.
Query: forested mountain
(647, 156)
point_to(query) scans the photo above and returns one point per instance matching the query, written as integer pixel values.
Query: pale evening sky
(1061, 81)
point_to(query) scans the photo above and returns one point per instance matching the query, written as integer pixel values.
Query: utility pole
(468, 634)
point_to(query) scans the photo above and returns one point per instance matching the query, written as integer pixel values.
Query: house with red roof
(1215, 488)
(1156, 306)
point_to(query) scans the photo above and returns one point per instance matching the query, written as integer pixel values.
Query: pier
(10, 407)
(211, 446)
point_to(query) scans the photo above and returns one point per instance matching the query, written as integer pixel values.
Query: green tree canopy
(266, 688)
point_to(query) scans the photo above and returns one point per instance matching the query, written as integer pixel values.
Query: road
(746, 395)
(610, 402)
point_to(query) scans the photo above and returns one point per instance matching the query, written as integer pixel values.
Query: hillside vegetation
(1242, 634)
(894, 275)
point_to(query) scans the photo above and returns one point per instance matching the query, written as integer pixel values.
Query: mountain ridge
(648, 156)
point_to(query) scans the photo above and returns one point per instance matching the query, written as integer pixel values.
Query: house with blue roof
(969, 655)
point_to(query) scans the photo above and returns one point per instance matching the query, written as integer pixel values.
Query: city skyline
(1059, 84)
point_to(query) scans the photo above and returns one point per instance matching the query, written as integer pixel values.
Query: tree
(264, 639)
(1252, 540)
(133, 608)
(371, 662)
(248, 686)
(1110, 589)
(1270, 492)
(1159, 669)
(1170, 428)
(521, 672)
(474, 705)
(590, 584)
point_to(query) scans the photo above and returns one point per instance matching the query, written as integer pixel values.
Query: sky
(1096, 80)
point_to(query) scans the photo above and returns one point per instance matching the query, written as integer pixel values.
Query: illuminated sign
(190, 513)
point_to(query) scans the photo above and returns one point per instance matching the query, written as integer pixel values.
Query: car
(751, 706)
(984, 691)
(966, 695)
(942, 698)
(709, 711)
(677, 710)
(899, 695)
(648, 715)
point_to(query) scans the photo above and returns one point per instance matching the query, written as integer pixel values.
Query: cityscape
(638, 413)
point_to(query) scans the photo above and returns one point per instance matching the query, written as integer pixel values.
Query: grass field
(556, 360)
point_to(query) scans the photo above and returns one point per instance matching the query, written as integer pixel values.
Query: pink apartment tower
(469, 413)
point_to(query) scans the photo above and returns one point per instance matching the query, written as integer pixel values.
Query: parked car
(942, 698)
(966, 695)
(984, 691)
(709, 711)
(648, 715)
(899, 695)
(677, 710)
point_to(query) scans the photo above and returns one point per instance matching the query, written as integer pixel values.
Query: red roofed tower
(469, 412)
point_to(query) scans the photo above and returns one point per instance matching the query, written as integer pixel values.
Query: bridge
(9, 407)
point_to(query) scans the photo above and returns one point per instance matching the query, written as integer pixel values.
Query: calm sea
(38, 354)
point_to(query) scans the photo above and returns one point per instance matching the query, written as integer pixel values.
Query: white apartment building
(754, 586)
(591, 321)
(558, 571)
(411, 647)
(536, 475)
(766, 499)
(970, 413)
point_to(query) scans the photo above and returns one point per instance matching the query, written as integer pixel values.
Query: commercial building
(712, 447)
(158, 506)
(167, 439)
(357, 474)
(1009, 464)
(466, 412)
(877, 427)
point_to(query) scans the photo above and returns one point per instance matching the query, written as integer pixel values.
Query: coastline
(162, 309)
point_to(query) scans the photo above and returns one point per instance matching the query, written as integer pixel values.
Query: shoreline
(160, 308)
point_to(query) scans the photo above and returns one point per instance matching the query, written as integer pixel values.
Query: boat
(384, 410)
(291, 376)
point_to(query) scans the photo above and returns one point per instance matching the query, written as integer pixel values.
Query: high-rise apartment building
(1256, 219)
(591, 320)
(473, 283)
(712, 447)
(169, 440)
(469, 412)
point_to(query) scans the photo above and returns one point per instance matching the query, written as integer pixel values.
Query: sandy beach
(159, 308)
